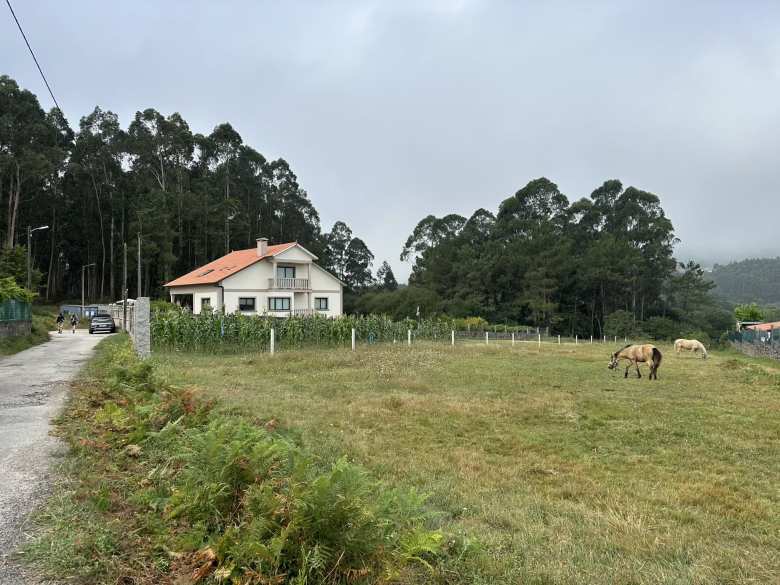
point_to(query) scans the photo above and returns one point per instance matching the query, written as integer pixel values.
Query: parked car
(102, 323)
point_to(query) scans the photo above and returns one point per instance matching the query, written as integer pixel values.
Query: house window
(246, 304)
(285, 272)
(279, 303)
(205, 304)
(321, 303)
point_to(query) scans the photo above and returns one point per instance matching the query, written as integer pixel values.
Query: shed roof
(764, 326)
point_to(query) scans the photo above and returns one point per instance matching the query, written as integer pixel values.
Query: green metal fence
(15, 311)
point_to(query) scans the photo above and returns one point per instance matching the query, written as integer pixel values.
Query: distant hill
(753, 280)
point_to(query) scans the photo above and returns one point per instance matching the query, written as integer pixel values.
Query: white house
(279, 280)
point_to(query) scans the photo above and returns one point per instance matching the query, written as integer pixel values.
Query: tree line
(600, 265)
(188, 198)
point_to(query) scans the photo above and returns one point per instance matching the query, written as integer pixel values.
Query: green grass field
(561, 470)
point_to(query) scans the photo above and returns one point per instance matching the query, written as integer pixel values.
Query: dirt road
(33, 385)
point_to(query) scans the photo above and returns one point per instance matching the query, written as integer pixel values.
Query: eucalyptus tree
(385, 278)
(336, 244)
(358, 265)
(33, 147)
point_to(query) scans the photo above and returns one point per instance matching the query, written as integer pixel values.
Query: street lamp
(82, 286)
(30, 230)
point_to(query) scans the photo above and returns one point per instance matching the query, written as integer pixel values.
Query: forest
(751, 280)
(598, 265)
(186, 197)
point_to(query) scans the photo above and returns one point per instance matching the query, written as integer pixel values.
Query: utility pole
(29, 269)
(139, 295)
(124, 289)
(84, 266)
(30, 231)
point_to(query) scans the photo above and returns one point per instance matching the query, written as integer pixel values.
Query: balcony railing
(293, 313)
(289, 283)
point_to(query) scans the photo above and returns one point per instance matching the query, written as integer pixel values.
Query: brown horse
(636, 354)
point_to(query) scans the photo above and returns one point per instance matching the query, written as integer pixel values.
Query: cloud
(389, 111)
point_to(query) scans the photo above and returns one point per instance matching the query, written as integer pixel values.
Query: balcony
(293, 313)
(289, 283)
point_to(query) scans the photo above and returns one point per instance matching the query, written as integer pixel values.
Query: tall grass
(174, 329)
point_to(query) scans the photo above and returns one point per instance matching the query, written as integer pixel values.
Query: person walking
(73, 322)
(60, 322)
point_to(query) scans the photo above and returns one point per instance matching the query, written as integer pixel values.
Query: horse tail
(657, 356)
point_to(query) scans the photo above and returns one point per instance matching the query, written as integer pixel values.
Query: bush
(661, 328)
(621, 324)
(10, 291)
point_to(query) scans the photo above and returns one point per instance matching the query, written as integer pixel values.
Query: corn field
(183, 331)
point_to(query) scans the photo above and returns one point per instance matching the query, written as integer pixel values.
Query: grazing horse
(636, 354)
(693, 345)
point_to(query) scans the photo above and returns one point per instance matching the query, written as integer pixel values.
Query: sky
(390, 111)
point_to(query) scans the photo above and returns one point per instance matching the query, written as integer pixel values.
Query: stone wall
(758, 349)
(15, 328)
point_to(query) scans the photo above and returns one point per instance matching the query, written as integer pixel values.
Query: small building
(763, 326)
(277, 280)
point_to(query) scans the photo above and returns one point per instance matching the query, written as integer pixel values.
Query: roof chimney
(262, 246)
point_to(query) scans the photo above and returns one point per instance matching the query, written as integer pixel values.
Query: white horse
(693, 345)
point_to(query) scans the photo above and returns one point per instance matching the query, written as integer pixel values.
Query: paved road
(33, 385)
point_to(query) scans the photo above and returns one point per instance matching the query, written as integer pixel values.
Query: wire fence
(235, 333)
(13, 310)
(757, 343)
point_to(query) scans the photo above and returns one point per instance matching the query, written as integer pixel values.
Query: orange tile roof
(228, 265)
(764, 326)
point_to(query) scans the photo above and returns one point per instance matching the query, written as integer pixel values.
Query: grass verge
(161, 487)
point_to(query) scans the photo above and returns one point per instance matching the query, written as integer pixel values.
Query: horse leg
(638, 373)
(627, 368)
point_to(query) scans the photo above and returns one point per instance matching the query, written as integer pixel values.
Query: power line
(24, 36)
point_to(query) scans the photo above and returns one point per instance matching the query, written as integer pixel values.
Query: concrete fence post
(615, 338)
(353, 339)
(605, 339)
(576, 340)
(273, 340)
(559, 340)
(539, 336)
(591, 339)
(408, 337)
(513, 339)
(486, 337)
(453, 337)
(142, 339)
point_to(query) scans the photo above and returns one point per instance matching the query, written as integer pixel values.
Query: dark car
(102, 322)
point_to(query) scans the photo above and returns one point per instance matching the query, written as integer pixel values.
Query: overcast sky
(389, 111)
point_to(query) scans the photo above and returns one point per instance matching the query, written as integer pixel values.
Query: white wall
(198, 293)
(261, 300)
(294, 254)
(254, 277)
(324, 284)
